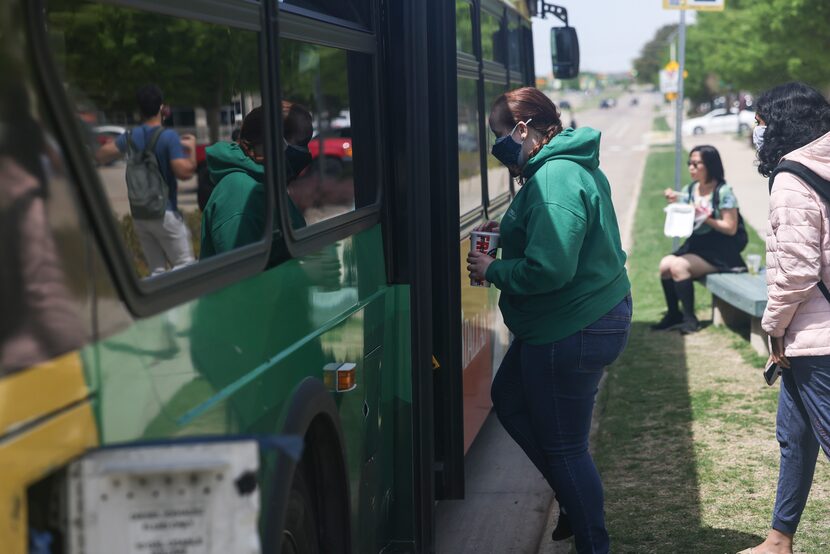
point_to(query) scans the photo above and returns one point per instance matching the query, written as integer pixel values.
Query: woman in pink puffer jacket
(794, 124)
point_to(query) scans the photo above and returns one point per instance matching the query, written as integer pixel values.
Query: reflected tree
(106, 52)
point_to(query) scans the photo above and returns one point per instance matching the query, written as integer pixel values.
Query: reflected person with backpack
(716, 243)
(793, 142)
(156, 158)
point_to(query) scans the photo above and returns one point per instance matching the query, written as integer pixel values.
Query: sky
(611, 32)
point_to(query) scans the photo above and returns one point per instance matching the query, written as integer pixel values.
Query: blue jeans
(544, 397)
(803, 424)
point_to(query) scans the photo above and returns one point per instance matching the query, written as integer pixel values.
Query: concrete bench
(736, 296)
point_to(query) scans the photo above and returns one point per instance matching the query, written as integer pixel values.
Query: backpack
(813, 180)
(741, 237)
(146, 187)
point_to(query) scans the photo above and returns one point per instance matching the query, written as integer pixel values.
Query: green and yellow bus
(314, 390)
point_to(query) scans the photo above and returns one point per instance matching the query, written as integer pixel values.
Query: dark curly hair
(795, 114)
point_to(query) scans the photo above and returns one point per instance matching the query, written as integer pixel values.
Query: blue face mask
(297, 158)
(507, 150)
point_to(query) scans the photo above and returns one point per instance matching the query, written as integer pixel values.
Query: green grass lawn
(686, 438)
(660, 124)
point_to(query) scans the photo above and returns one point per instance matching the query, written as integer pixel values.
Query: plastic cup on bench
(753, 263)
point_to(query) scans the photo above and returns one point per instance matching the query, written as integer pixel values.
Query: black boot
(673, 317)
(563, 527)
(686, 293)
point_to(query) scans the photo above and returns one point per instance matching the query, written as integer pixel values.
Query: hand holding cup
(483, 245)
(490, 226)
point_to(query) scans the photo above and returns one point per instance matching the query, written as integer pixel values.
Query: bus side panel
(227, 364)
(477, 350)
(397, 430)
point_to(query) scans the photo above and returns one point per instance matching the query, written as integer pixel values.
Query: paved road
(623, 150)
(508, 506)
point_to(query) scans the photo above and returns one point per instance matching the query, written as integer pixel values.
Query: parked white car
(106, 133)
(719, 121)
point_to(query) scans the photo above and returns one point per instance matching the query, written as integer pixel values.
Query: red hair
(523, 104)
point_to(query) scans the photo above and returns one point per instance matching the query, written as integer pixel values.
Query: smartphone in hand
(771, 372)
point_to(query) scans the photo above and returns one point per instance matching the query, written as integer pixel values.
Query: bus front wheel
(299, 536)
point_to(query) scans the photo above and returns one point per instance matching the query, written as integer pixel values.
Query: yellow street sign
(699, 5)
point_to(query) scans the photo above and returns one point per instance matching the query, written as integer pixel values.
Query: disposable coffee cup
(753, 263)
(487, 242)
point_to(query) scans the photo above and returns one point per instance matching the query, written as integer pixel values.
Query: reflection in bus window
(43, 279)
(234, 215)
(355, 11)
(498, 177)
(131, 73)
(469, 151)
(514, 43)
(492, 38)
(463, 27)
(332, 85)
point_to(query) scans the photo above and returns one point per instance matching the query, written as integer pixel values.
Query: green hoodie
(562, 265)
(235, 213)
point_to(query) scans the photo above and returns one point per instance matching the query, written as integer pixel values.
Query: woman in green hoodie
(235, 213)
(565, 296)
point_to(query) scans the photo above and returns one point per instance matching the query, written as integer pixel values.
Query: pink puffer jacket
(798, 254)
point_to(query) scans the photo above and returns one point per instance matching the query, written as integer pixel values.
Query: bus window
(469, 150)
(498, 177)
(334, 172)
(173, 80)
(44, 280)
(514, 43)
(463, 27)
(355, 11)
(492, 37)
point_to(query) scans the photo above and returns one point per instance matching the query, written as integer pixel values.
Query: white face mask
(758, 136)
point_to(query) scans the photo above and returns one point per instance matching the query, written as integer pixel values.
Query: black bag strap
(715, 194)
(715, 198)
(816, 182)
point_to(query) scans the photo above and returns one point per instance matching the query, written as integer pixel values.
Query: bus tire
(323, 485)
(299, 535)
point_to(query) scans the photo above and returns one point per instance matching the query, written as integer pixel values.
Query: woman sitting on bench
(715, 245)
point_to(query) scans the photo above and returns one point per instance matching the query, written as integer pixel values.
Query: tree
(755, 45)
(106, 52)
(654, 55)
